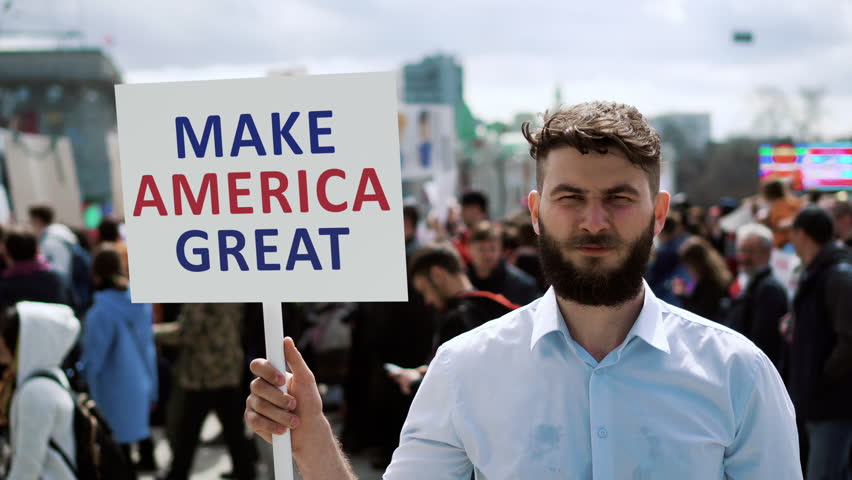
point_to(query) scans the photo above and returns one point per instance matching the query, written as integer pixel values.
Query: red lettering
(196, 203)
(234, 192)
(267, 192)
(321, 193)
(369, 175)
(148, 183)
(303, 191)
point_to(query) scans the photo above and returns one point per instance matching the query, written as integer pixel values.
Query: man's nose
(595, 218)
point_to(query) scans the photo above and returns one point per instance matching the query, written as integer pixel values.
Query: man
(783, 208)
(410, 219)
(54, 239)
(28, 277)
(598, 378)
(488, 270)
(842, 213)
(758, 311)
(820, 380)
(437, 274)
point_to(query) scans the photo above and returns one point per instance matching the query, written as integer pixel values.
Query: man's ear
(533, 201)
(661, 210)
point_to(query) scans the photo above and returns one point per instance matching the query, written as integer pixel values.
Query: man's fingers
(263, 369)
(263, 426)
(271, 393)
(282, 419)
(295, 361)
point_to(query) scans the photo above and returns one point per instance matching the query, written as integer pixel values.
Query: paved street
(212, 460)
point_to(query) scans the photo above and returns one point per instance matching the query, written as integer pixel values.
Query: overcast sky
(660, 55)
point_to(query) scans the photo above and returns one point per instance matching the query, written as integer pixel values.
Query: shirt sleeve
(429, 446)
(766, 443)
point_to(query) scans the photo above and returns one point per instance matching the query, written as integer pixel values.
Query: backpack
(98, 456)
(80, 277)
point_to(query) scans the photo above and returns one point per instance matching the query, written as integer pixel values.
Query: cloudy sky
(660, 55)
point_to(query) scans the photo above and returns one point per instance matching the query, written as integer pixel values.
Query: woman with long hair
(119, 358)
(711, 279)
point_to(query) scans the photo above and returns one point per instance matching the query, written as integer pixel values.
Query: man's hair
(434, 255)
(756, 230)
(598, 126)
(816, 223)
(484, 231)
(774, 189)
(21, 244)
(108, 230)
(698, 253)
(412, 213)
(474, 198)
(42, 213)
(841, 209)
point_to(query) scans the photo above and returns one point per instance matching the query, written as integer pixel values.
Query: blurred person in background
(119, 358)
(35, 337)
(842, 214)
(782, 209)
(438, 275)
(710, 277)
(61, 249)
(410, 219)
(820, 373)
(525, 257)
(666, 266)
(757, 312)
(54, 239)
(473, 209)
(488, 270)
(208, 375)
(28, 277)
(109, 236)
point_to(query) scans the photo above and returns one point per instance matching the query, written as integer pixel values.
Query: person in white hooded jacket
(36, 337)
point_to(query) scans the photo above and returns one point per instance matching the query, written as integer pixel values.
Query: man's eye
(620, 198)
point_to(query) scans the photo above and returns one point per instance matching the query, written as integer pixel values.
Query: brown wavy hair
(597, 126)
(700, 255)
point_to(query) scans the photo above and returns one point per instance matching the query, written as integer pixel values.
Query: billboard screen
(809, 166)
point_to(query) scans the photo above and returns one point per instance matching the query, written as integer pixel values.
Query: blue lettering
(262, 249)
(201, 252)
(302, 236)
(334, 234)
(244, 122)
(284, 132)
(225, 250)
(214, 124)
(316, 131)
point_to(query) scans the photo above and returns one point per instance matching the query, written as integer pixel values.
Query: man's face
(596, 219)
(430, 291)
(843, 227)
(752, 254)
(471, 215)
(409, 228)
(485, 254)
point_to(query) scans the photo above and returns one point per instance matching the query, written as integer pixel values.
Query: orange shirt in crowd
(780, 219)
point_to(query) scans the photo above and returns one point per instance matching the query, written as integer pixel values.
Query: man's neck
(483, 273)
(600, 330)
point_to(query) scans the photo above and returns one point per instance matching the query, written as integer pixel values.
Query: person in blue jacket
(119, 356)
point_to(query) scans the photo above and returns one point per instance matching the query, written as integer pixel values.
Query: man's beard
(593, 285)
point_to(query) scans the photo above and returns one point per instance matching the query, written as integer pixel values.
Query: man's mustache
(602, 241)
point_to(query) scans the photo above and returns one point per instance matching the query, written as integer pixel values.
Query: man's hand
(269, 411)
(407, 376)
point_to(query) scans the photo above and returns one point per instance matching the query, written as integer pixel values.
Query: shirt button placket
(599, 411)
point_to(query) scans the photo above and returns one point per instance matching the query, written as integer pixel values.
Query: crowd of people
(67, 308)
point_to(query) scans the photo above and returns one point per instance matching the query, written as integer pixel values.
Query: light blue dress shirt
(681, 398)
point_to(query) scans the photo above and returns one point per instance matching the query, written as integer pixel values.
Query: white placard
(287, 189)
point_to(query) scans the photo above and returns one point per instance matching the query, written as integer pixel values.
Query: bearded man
(598, 378)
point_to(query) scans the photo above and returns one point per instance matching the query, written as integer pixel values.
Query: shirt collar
(648, 326)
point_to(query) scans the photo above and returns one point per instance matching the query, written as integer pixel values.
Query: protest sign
(269, 190)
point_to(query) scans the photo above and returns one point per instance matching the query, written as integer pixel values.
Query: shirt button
(602, 433)
(597, 372)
